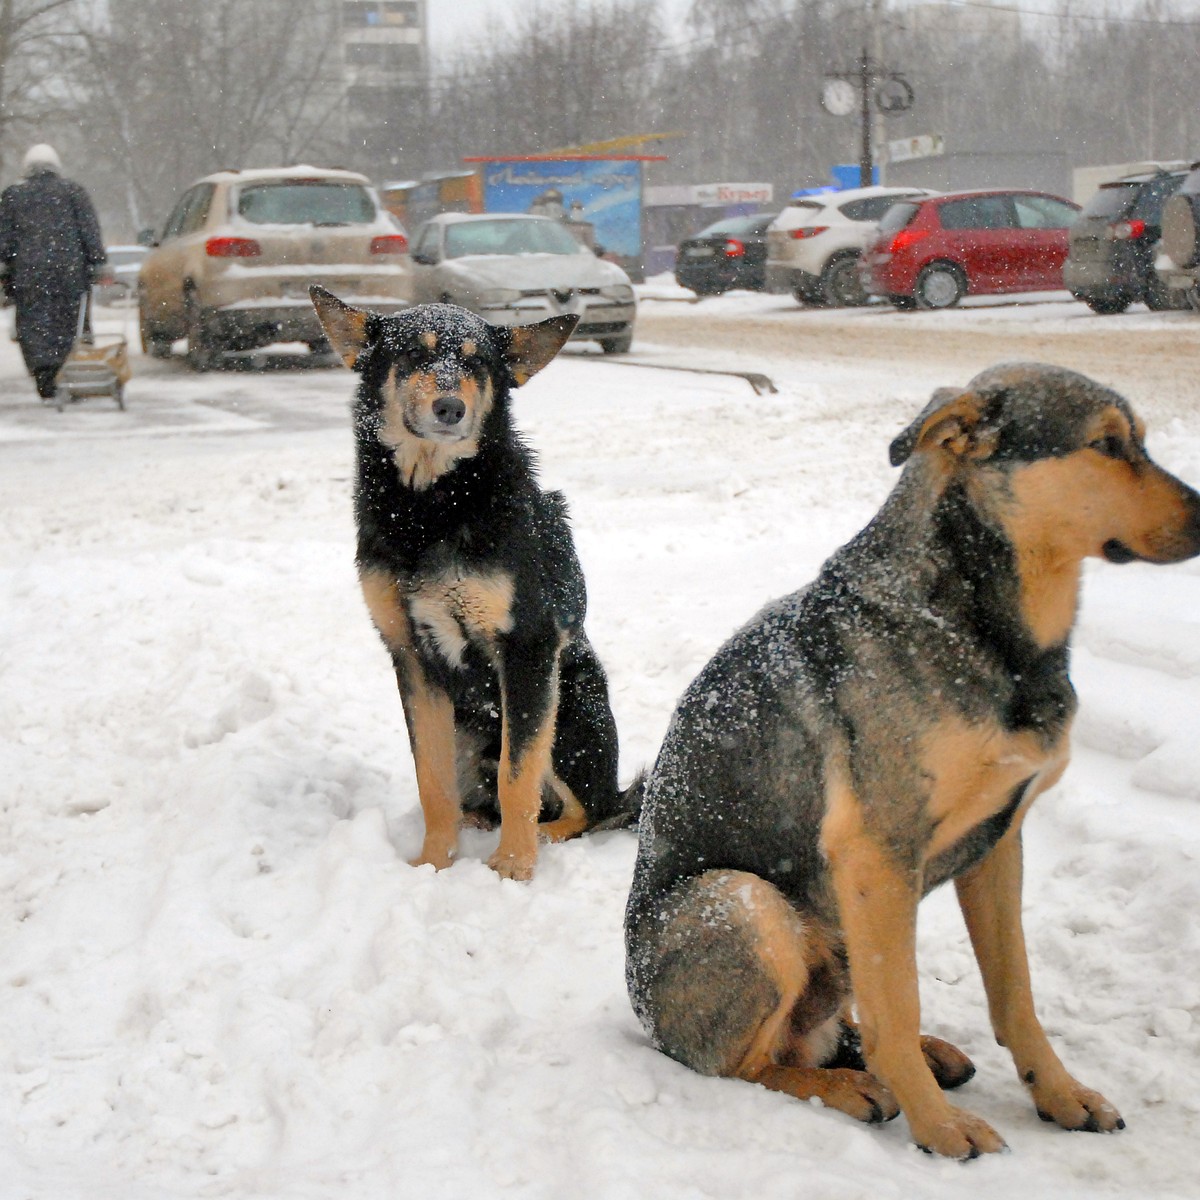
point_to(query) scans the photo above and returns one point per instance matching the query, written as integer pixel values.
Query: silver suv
(233, 264)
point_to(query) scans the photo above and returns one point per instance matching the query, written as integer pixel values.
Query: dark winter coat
(50, 244)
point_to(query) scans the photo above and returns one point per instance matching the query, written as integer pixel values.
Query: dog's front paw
(512, 866)
(956, 1133)
(437, 857)
(1075, 1107)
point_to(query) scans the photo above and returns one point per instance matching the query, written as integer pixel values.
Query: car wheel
(940, 285)
(840, 284)
(1159, 297)
(202, 351)
(153, 342)
(1107, 306)
(617, 345)
(1193, 298)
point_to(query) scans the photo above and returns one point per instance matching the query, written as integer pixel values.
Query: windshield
(736, 226)
(298, 203)
(1111, 200)
(533, 236)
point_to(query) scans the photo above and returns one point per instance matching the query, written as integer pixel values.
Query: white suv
(813, 246)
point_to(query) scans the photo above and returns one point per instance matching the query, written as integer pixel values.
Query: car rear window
(898, 216)
(797, 215)
(871, 208)
(977, 212)
(1153, 196)
(533, 236)
(735, 226)
(1112, 200)
(299, 203)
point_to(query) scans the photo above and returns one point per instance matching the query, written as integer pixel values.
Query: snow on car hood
(529, 271)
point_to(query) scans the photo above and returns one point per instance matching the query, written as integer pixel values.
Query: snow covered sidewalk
(218, 976)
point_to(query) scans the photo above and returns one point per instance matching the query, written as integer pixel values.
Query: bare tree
(169, 89)
(28, 32)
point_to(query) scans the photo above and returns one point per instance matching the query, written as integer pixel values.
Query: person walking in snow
(51, 252)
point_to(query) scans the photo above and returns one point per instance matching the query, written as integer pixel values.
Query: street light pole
(865, 157)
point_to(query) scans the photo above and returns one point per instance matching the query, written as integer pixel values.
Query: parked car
(814, 244)
(232, 266)
(124, 263)
(1180, 271)
(730, 253)
(1110, 263)
(515, 269)
(931, 253)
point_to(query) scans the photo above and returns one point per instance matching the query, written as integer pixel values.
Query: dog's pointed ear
(345, 326)
(953, 420)
(529, 348)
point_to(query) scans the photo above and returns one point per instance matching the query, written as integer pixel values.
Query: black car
(728, 254)
(1111, 260)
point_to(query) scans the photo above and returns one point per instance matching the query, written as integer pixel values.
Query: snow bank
(218, 976)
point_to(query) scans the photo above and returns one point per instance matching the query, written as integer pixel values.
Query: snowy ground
(218, 976)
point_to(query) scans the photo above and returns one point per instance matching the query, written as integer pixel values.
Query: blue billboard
(605, 192)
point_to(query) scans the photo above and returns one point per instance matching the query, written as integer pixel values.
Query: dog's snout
(449, 410)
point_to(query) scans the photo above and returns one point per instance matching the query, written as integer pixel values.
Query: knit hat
(41, 157)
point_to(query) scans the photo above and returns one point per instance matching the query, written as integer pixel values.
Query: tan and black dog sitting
(878, 733)
(470, 574)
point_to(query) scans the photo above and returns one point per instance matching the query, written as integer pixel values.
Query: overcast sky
(450, 19)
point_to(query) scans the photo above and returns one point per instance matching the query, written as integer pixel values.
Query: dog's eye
(1110, 446)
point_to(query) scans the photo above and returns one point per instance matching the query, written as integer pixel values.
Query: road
(1151, 357)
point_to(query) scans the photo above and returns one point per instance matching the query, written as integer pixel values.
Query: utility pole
(876, 88)
(879, 90)
(866, 156)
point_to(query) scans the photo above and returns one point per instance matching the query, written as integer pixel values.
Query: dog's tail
(629, 807)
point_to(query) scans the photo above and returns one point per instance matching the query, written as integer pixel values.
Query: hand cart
(98, 364)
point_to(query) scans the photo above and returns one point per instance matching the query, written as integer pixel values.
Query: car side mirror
(426, 258)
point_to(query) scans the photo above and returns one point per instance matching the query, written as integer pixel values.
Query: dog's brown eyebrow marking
(429, 340)
(468, 348)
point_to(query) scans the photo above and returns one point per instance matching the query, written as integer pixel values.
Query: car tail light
(390, 243)
(904, 239)
(232, 247)
(1125, 231)
(806, 231)
(734, 248)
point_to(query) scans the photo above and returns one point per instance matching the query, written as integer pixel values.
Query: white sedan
(514, 269)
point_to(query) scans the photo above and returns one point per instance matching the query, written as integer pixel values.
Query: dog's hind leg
(529, 697)
(585, 744)
(732, 981)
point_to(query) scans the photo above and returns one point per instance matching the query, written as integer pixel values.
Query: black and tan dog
(470, 575)
(880, 732)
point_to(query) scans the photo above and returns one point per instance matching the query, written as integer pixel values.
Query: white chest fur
(449, 611)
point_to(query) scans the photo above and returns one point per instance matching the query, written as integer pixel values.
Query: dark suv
(1180, 264)
(1110, 264)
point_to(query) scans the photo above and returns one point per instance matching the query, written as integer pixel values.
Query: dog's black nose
(449, 410)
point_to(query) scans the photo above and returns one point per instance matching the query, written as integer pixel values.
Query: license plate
(699, 252)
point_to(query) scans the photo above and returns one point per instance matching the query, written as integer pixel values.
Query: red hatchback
(930, 253)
